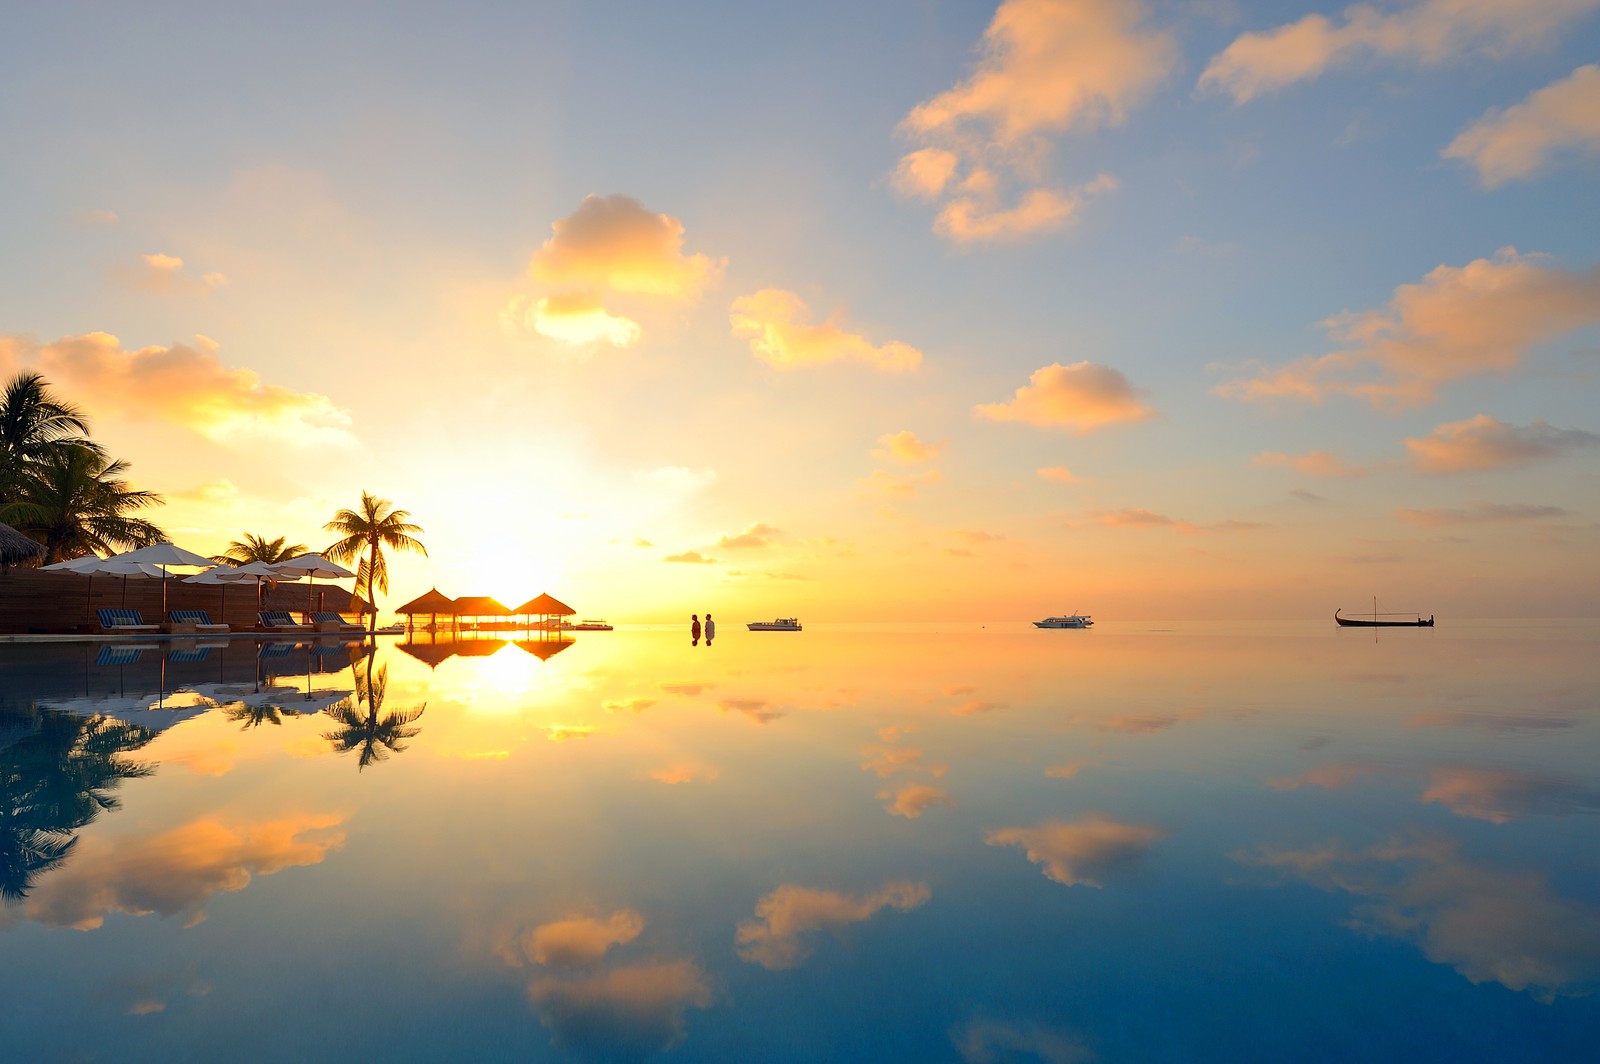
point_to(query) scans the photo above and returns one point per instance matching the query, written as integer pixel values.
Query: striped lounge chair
(330, 621)
(200, 620)
(125, 621)
(280, 620)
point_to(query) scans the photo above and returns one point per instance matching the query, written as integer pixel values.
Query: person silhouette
(694, 628)
(711, 629)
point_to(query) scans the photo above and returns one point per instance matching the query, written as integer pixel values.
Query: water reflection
(877, 844)
(55, 778)
(373, 738)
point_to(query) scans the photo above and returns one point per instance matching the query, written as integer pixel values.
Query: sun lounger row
(197, 621)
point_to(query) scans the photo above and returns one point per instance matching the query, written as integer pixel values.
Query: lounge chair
(281, 621)
(331, 621)
(120, 655)
(194, 620)
(125, 621)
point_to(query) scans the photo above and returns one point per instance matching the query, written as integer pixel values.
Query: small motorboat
(1071, 620)
(1377, 621)
(782, 624)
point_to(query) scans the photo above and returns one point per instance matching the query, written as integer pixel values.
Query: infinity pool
(935, 843)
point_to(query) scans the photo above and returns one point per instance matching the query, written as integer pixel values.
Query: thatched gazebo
(433, 604)
(17, 549)
(547, 608)
(480, 606)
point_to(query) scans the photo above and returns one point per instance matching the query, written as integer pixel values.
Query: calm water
(1138, 843)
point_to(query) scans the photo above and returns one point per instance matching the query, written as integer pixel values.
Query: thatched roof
(17, 549)
(545, 606)
(430, 654)
(477, 648)
(544, 649)
(432, 602)
(480, 606)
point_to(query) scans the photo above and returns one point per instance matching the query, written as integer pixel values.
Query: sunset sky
(901, 310)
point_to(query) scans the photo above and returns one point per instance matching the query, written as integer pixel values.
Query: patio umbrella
(313, 566)
(261, 573)
(17, 549)
(221, 576)
(165, 555)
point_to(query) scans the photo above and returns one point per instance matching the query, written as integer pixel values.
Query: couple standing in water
(694, 629)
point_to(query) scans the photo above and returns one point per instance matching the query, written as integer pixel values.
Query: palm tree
(32, 422)
(253, 548)
(72, 499)
(375, 738)
(375, 526)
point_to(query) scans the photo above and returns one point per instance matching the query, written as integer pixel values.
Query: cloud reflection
(625, 1012)
(774, 938)
(581, 940)
(984, 1041)
(1490, 924)
(177, 871)
(1083, 853)
(1501, 796)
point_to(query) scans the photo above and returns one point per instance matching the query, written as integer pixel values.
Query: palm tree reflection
(373, 736)
(54, 782)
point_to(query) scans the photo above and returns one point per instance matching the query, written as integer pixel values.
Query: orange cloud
(1428, 31)
(1515, 143)
(1482, 442)
(1480, 512)
(177, 871)
(756, 536)
(1059, 474)
(1082, 397)
(975, 218)
(577, 319)
(625, 1013)
(184, 385)
(577, 941)
(1458, 322)
(906, 448)
(1489, 924)
(1328, 777)
(1046, 67)
(1500, 796)
(757, 709)
(612, 242)
(1085, 852)
(93, 216)
(673, 775)
(691, 557)
(774, 938)
(1137, 518)
(1313, 464)
(912, 799)
(160, 272)
(986, 1041)
(771, 320)
(1069, 769)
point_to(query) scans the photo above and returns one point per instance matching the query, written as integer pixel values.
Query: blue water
(1144, 842)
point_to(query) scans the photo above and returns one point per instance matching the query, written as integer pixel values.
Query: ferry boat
(782, 624)
(1074, 620)
(591, 626)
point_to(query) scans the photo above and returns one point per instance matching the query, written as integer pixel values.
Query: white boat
(589, 626)
(782, 624)
(1074, 620)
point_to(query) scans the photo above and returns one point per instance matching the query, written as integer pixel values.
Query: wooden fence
(34, 601)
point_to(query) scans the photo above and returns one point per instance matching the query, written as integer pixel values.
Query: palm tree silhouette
(253, 548)
(32, 422)
(55, 781)
(374, 737)
(72, 499)
(375, 526)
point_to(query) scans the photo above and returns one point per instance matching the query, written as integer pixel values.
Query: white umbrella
(260, 572)
(222, 576)
(165, 555)
(313, 566)
(91, 564)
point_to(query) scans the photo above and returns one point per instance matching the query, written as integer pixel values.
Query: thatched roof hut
(430, 654)
(544, 606)
(544, 649)
(433, 602)
(480, 606)
(17, 549)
